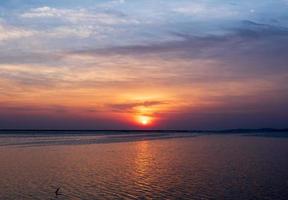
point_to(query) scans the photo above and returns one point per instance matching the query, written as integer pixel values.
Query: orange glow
(144, 120)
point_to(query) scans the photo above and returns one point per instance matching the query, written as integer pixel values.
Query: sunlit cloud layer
(105, 64)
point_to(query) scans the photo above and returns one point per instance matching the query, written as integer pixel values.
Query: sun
(144, 120)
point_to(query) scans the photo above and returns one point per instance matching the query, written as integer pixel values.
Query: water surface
(143, 166)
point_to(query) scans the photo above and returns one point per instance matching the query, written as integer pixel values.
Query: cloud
(134, 106)
(31, 108)
(203, 10)
(10, 32)
(82, 15)
(21, 78)
(20, 57)
(68, 31)
(258, 49)
(44, 12)
(261, 43)
(65, 28)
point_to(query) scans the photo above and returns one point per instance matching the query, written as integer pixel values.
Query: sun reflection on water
(143, 158)
(143, 164)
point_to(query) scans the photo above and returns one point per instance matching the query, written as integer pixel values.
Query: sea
(143, 165)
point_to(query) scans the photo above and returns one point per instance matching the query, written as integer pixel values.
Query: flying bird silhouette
(57, 191)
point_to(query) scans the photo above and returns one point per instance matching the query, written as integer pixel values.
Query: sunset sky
(153, 64)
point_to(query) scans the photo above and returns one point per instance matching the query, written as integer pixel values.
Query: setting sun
(144, 120)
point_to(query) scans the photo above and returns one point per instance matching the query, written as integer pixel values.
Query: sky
(143, 64)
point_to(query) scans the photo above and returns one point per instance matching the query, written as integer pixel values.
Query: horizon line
(151, 130)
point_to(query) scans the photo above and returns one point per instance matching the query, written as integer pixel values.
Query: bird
(57, 191)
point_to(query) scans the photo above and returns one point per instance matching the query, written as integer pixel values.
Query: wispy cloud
(76, 16)
(132, 107)
(206, 11)
(8, 32)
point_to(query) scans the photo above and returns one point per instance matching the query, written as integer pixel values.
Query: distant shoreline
(270, 130)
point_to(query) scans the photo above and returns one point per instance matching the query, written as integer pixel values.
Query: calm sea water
(143, 166)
